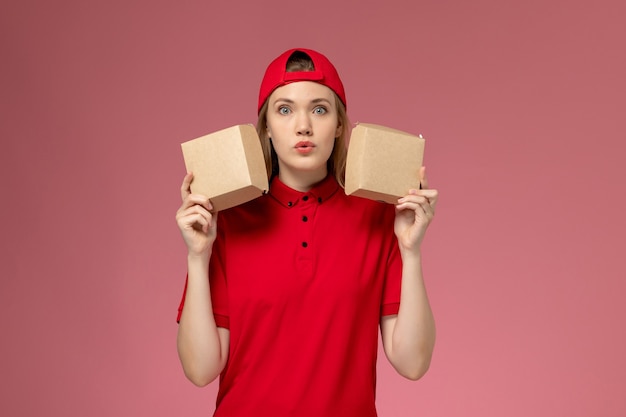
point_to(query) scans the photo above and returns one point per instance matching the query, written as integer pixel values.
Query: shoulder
(250, 211)
(362, 213)
(373, 206)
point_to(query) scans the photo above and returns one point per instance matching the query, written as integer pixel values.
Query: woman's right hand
(195, 219)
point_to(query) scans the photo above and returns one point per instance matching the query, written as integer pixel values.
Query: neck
(302, 181)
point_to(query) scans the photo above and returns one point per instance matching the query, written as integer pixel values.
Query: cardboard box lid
(228, 166)
(383, 163)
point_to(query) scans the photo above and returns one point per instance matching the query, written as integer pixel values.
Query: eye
(320, 110)
(284, 110)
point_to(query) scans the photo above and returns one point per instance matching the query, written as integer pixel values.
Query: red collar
(289, 197)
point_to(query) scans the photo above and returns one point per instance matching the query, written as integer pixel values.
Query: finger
(195, 209)
(414, 209)
(423, 179)
(415, 196)
(201, 200)
(196, 220)
(411, 203)
(183, 216)
(185, 188)
(213, 219)
(429, 202)
(196, 199)
(429, 209)
(419, 205)
(431, 195)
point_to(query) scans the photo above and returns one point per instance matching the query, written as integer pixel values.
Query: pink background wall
(523, 108)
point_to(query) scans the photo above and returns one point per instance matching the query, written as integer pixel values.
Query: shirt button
(305, 198)
(304, 244)
(290, 204)
(305, 218)
(319, 200)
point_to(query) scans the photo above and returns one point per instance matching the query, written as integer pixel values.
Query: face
(303, 123)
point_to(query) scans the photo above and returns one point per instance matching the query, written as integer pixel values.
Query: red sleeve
(219, 288)
(182, 302)
(393, 281)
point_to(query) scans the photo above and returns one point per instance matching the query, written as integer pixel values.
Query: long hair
(336, 164)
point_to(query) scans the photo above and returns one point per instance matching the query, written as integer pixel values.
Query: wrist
(411, 255)
(198, 258)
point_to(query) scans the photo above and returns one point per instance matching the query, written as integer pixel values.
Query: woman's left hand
(414, 213)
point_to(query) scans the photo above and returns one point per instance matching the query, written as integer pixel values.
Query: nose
(303, 125)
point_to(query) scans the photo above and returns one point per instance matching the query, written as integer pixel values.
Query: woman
(300, 279)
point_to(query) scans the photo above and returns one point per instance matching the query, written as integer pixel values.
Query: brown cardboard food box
(228, 166)
(383, 163)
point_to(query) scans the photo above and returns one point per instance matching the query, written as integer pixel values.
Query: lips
(304, 147)
(305, 144)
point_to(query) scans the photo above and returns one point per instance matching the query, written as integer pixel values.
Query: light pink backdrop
(523, 107)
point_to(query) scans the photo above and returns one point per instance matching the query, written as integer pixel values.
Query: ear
(339, 129)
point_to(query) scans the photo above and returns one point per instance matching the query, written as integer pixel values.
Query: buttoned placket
(307, 209)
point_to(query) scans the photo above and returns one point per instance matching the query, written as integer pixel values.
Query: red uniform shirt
(301, 280)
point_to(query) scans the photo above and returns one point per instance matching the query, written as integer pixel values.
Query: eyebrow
(314, 101)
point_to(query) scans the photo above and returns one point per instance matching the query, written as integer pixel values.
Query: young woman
(300, 279)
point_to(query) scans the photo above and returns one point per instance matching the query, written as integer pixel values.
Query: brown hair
(300, 61)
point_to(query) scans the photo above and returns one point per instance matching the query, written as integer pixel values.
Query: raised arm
(202, 346)
(409, 337)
